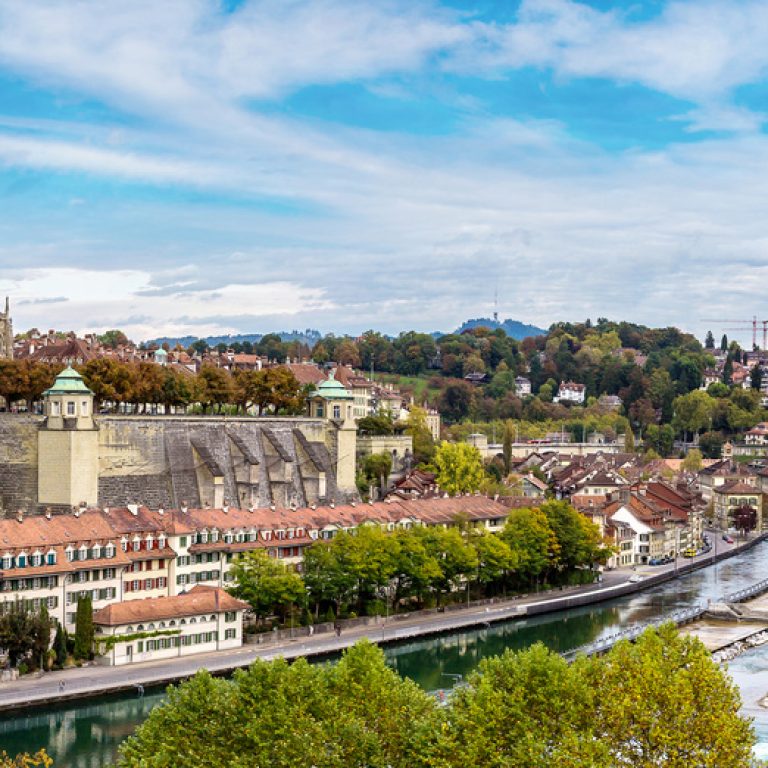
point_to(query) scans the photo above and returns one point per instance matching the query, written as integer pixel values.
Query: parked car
(690, 552)
(727, 539)
(634, 578)
(657, 561)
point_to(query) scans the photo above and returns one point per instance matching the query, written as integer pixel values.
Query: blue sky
(210, 167)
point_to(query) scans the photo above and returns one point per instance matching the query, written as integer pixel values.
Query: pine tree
(60, 645)
(724, 343)
(507, 446)
(84, 628)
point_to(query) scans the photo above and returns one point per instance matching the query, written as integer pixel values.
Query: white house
(203, 619)
(570, 392)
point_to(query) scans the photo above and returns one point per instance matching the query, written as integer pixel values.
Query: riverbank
(94, 680)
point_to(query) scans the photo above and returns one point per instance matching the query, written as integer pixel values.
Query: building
(71, 457)
(522, 386)
(758, 435)
(117, 555)
(729, 497)
(201, 620)
(6, 333)
(570, 392)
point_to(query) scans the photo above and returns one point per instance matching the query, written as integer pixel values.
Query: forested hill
(513, 328)
(310, 337)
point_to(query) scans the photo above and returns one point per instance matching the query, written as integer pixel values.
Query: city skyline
(206, 168)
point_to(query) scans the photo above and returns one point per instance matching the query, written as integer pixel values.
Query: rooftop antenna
(496, 305)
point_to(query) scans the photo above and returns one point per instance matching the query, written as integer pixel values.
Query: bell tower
(68, 444)
(6, 333)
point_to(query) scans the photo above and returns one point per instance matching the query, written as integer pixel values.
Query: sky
(206, 167)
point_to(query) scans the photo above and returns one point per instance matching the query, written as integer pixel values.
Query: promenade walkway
(88, 681)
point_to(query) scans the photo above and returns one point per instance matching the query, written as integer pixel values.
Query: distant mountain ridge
(310, 337)
(513, 328)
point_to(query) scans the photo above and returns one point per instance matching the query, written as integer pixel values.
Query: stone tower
(68, 444)
(6, 333)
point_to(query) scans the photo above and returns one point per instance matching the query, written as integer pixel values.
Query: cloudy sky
(194, 166)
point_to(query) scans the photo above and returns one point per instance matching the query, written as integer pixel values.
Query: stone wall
(170, 461)
(18, 462)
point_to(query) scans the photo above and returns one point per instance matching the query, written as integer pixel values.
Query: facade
(729, 497)
(117, 555)
(201, 620)
(570, 392)
(522, 386)
(758, 435)
(71, 457)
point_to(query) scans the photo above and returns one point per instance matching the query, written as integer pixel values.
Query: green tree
(578, 538)
(526, 709)
(113, 339)
(60, 645)
(709, 342)
(84, 628)
(693, 412)
(495, 558)
(724, 343)
(506, 446)
(265, 583)
(377, 467)
(214, 387)
(22, 633)
(423, 442)
(692, 460)
(662, 700)
(756, 376)
(459, 468)
(711, 444)
(532, 541)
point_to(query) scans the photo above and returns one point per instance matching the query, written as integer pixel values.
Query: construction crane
(745, 325)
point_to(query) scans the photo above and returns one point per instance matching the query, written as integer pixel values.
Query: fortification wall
(18, 461)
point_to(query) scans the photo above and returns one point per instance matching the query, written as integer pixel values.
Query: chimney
(160, 511)
(20, 516)
(225, 508)
(332, 505)
(48, 514)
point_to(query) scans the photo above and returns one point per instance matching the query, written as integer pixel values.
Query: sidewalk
(97, 680)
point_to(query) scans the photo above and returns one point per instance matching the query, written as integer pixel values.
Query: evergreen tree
(507, 446)
(756, 376)
(724, 343)
(728, 371)
(60, 645)
(84, 628)
(709, 343)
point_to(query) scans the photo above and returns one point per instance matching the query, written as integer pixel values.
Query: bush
(330, 615)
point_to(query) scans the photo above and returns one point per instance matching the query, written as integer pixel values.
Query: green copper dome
(333, 390)
(68, 382)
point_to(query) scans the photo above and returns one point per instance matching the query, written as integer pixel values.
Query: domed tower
(68, 444)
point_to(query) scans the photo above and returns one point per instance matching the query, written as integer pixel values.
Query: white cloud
(96, 300)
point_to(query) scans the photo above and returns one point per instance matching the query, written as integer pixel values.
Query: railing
(746, 593)
(633, 632)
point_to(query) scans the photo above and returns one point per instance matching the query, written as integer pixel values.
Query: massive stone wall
(171, 462)
(18, 461)
(178, 461)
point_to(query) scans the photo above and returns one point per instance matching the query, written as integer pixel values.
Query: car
(634, 578)
(727, 539)
(690, 552)
(656, 561)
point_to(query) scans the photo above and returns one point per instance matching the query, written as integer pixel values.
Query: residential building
(522, 386)
(571, 392)
(729, 497)
(202, 620)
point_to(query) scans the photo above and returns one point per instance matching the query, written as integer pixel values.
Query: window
(55, 408)
(230, 616)
(148, 583)
(37, 558)
(230, 634)
(183, 541)
(84, 408)
(70, 408)
(336, 411)
(320, 411)
(83, 552)
(21, 560)
(135, 585)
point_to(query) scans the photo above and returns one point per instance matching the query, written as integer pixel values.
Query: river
(87, 734)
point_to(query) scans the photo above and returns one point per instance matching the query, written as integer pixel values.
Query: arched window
(83, 552)
(70, 553)
(109, 550)
(96, 551)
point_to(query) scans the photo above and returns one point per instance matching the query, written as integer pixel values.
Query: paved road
(91, 680)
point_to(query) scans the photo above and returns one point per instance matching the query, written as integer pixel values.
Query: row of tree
(659, 701)
(370, 571)
(141, 384)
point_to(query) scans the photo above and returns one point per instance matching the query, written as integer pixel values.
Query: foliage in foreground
(39, 760)
(661, 701)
